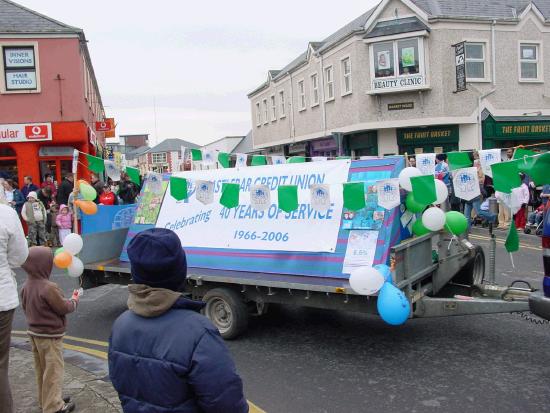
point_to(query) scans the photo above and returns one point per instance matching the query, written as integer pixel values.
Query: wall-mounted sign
(104, 126)
(56, 151)
(21, 80)
(18, 57)
(460, 66)
(20, 68)
(523, 129)
(401, 106)
(399, 83)
(429, 134)
(25, 132)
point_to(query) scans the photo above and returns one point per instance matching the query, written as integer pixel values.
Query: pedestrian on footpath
(28, 187)
(13, 253)
(45, 309)
(64, 220)
(65, 189)
(35, 215)
(154, 366)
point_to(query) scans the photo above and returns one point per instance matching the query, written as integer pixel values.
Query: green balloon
(419, 228)
(412, 205)
(59, 250)
(88, 192)
(455, 222)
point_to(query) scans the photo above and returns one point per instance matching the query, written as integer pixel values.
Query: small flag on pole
(75, 161)
(488, 157)
(537, 167)
(512, 241)
(223, 159)
(260, 197)
(230, 195)
(204, 192)
(196, 155)
(423, 188)
(133, 174)
(506, 176)
(95, 164)
(241, 160)
(426, 163)
(458, 160)
(178, 188)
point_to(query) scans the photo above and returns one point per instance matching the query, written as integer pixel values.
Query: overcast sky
(197, 62)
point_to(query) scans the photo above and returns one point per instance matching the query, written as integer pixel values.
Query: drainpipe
(292, 127)
(493, 54)
(479, 129)
(322, 94)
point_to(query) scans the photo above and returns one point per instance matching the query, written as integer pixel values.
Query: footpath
(88, 385)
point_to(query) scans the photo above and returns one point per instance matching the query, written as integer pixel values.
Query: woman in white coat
(13, 253)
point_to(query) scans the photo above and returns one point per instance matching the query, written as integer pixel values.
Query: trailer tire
(227, 311)
(474, 271)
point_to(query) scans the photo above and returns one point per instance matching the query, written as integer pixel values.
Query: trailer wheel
(227, 310)
(474, 271)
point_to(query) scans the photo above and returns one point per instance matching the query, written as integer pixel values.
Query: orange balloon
(88, 207)
(63, 260)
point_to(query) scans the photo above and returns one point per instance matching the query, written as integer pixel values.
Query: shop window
(409, 62)
(302, 94)
(6, 152)
(329, 82)
(282, 103)
(383, 55)
(346, 76)
(314, 90)
(159, 157)
(273, 109)
(19, 68)
(475, 61)
(529, 62)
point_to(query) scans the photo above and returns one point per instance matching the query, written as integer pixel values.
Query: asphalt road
(312, 361)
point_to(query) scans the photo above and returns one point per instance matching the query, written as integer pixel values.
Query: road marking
(103, 355)
(502, 241)
(71, 338)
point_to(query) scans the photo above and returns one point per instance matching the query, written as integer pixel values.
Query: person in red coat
(108, 197)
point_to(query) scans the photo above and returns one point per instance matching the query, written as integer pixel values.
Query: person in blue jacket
(164, 356)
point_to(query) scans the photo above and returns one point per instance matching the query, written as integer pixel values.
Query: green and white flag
(95, 164)
(260, 197)
(204, 192)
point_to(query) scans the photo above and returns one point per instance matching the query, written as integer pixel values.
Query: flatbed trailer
(440, 276)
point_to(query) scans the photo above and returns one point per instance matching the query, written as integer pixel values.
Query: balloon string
(512, 259)
(453, 236)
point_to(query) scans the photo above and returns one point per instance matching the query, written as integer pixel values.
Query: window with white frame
(529, 61)
(329, 83)
(266, 112)
(273, 108)
(159, 157)
(397, 65)
(314, 89)
(20, 68)
(302, 94)
(346, 76)
(475, 61)
(282, 103)
(258, 114)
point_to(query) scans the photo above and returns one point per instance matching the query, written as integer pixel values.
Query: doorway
(8, 163)
(57, 167)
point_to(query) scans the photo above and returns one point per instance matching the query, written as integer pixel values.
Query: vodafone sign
(104, 126)
(25, 132)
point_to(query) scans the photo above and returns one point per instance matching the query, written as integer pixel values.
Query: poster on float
(305, 229)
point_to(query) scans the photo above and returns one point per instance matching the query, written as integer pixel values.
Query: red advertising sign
(36, 132)
(104, 126)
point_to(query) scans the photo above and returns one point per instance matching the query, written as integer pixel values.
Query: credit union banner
(243, 227)
(25, 132)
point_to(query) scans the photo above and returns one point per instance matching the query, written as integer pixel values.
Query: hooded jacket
(64, 221)
(175, 354)
(13, 253)
(42, 300)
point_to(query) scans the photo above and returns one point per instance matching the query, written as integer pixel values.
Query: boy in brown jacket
(45, 309)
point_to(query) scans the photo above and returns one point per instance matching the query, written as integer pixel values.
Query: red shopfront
(38, 149)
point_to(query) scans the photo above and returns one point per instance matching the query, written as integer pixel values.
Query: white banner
(25, 132)
(241, 160)
(466, 184)
(75, 161)
(278, 160)
(112, 170)
(243, 227)
(208, 156)
(488, 157)
(426, 163)
(388, 193)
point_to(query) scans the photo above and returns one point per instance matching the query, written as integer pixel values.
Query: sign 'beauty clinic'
(397, 83)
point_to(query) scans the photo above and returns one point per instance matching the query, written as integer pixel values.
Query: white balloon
(76, 268)
(442, 192)
(366, 280)
(405, 177)
(433, 218)
(73, 244)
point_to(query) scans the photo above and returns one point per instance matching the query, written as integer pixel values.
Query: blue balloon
(393, 306)
(385, 271)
